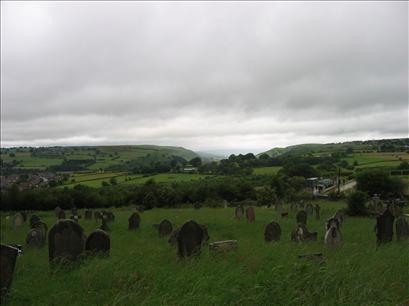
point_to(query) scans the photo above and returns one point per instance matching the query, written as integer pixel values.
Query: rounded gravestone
(189, 239)
(134, 221)
(402, 229)
(98, 242)
(239, 212)
(8, 256)
(57, 211)
(34, 219)
(272, 232)
(250, 215)
(302, 217)
(35, 238)
(65, 241)
(165, 228)
(384, 227)
(17, 221)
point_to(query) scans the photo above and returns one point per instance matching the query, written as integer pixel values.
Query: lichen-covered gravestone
(35, 238)
(134, 221)
(250, 215)
(165, 228)
(384, 227)
(402, 229)
(17, 221)
(272, 232)
(8, 255)
(65, 241)
(98, 242)
(302, 217)
(239, 212)
(190, 239)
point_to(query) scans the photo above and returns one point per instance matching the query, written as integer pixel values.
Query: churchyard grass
(144, 270)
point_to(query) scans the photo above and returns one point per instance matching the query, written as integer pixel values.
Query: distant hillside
(382, 145)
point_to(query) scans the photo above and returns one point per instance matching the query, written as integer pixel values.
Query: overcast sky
(234, 76)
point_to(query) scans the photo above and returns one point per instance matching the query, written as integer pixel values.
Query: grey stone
(250, 215)
(134, 221)
(239, 212)
(17, 221)
(98, 242)
(301, 234)
(272, 232)
(8, 256)
(165, 228)
(35, 238)
(190, 239)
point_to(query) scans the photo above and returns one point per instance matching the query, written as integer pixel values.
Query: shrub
(356, 203)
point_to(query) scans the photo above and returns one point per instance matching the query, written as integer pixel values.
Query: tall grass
(144, 270)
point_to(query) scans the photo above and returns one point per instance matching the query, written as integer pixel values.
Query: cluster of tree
(152, 194)
(72, 165)
(380, 182)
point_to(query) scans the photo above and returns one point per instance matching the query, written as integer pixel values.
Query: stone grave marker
(165, 228)
(17, 221)
(239, 212)
(333, 234)
(57, 211)
(65, 241)
(272, 232)
(35, 238)
(88, 215)
(302, 217)
(34, 219)
(189, 239)
(384, 227)
(317, 210)
(134, 221)
(402, 229)
(98, 242)
(309, 209)
(223, 246)
(104, 226)
(250, 215)
(301, 233)
(8, 256)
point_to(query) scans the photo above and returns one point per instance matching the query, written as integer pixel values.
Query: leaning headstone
(250, 214)
(223, 246)
(35, 238)
(402, 229)
(65, 241)
(165, 228)
(302, 217)
(34, 219)
(88, 214)
(98, 242)
(134, 221)
(189, 239)
(384, 227)
(317, 209)
(8, 256)
(17, 221)
(309, 209)
(239, 212)
(272, 232)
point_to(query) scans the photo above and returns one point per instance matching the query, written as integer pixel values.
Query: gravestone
(40, 225)
(61, 214)
(340, 216)
(88, 214)
(272, 232)
(98, 242)
(17, 221)
(300, 233)
(24, 214)
(189, 239)
(302, 217)
(97, 215)
(250, 215)
(402, 229)
(35, 238)
(333, 234)
(205, 233)
(34, 219)
(384, 227)
(74, 211)
(134, 221)
(65, 241)
(165, 228)
(57, 211)
(317, 209)
(74, 218)
(239, 212)
(8, 256)
(309, 209)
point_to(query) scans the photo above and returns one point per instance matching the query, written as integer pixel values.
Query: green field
(266, 170)
(371, 160)
(144, 270)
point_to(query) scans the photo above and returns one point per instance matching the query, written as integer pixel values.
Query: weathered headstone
(301, 233)
(302, 217)
(34, 219)
(190, 239)
(8, 256)
(40, 225)
(239, 212)
(88, 214)
(98, 242)
(384, 227)
(65, 241)
(223, 246)
(35, 238)
(57, 211)
(17, 221)
(250, 215)
(402, 229)
(317, 209)
(165, 228)
(309, 209)
(272, 232)
(74, 211)
(134, 221)
(333, 234)
(61, 214)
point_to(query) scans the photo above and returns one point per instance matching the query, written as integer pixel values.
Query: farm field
(143, 268)
(266, 170)
(370, 160)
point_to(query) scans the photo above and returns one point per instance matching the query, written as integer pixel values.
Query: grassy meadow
(143, 268)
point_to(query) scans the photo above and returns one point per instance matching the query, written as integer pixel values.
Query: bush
(380, 182)
(356, 203)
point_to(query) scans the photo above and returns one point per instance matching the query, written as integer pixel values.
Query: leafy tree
(403, 165)
(196, 162)
(356, 203)
(380, 182)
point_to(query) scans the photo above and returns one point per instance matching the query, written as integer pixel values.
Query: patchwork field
(370, 160)
(143, 269)
(266, 170)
